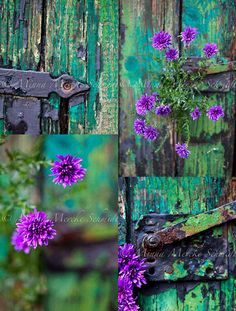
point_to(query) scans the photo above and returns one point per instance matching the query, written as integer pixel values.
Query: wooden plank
(139, 20)
(175, 196)
(20, 35)
(211, 143)
(82, 39)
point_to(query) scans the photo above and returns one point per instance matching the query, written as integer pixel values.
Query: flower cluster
(176, 98)
(68, 170)
(131, 275)
(33, 229)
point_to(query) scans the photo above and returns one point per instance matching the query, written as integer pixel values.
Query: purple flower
(163, 110)
(145, 104)
(172, 54)
(126, 301)
(131, 266)
(188, 35)
(196, 113)
(215, 112)
(139, 126)
(35, 229)
(182, 150)
(150, 133)
(210, 49)
(19, 244)
(161, 40)
(68, 171)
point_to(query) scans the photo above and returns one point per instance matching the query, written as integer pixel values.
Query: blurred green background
(77, 271)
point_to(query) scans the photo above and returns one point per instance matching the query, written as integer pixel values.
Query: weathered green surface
(211, 144)
(86, 250)
(185, 195)
(67, 36)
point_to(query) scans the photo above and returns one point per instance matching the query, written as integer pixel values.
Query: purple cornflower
(35, 229)
(188, 35)
(172, 54)
(145, 104)
(182, 150)
(150, 133)
(210, 50)
(161, 40)
(131, 266)
(139, 126)
(215, 112)
(126, 301)
(196, 113)
(163, 110)
(68, 171)
(19, 244)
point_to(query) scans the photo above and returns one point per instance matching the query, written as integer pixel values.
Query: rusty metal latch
(24, 104)
(38, 84)
(163, 239)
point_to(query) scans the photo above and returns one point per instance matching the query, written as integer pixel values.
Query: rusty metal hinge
(23, 99)
(163, 239)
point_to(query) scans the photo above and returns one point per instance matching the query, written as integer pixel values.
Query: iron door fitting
(219, 78)
(24, 94)
(183, 247)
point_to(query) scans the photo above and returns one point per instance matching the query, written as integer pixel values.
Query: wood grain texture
(175, 196)
(82, 39)
(212, 143)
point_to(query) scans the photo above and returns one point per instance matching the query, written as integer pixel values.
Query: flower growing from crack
(68, 170)
(182, 150)
(126, 301)
(163, 110)
(210, 50)
(150, 133)
(131, 266)
(19, 244)
(34, 229)
(161, 40)
(188, 35)
(215, 112)
(196, 113)
(145, 103)
(172, 54)
(139, 126)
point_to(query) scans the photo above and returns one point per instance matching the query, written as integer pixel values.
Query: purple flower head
(150, 133)
(215, 112)
(139, 126)
(210, 49)
(19, 244)
(145, 104)
(163, 110)
(172, 54)
(131, 266)
(188, 35)
(161, 40)
(68, 171)
(196, 113)
(182, 150)
(126, 301)
(35, 229)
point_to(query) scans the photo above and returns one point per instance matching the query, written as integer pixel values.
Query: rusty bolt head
(67, 86)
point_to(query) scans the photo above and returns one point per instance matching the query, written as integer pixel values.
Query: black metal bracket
(186, 247)
(23, 99)
(39, 84)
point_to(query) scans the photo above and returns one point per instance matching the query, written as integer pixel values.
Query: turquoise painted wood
(187, 195)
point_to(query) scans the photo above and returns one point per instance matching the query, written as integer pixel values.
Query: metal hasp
(183, 247)
(24, 94)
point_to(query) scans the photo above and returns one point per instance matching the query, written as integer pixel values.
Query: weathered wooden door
(212, 145)
(77, 38)
(198, 273)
